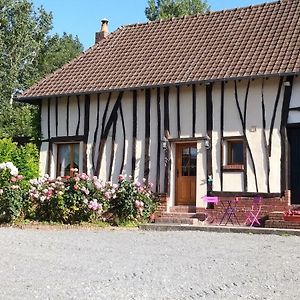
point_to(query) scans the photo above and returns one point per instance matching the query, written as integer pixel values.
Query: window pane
(193, 161)
(67, 158)
(237, 154)
(76, 156)
(63, 159)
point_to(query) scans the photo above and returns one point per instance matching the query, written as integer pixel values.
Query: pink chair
(252, 215)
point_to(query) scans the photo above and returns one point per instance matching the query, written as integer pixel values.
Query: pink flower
(15, 187)
(137, 184)
(83, 176)
(20, 177)
(107, 195)
(13, 179)
(75, 187)
(121, 177)
(150, 184)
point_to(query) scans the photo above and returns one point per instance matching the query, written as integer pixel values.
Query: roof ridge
(205, 14)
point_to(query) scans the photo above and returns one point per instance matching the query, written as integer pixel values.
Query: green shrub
(75, 199)
(12, 193)
(134, 201)
(25, 158)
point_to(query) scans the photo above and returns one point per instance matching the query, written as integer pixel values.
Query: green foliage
(19, 120)
(56, 52)
(133, 202)
(27, 53)
(22, 33)
(72, 200)
(166, 9)
(25, 158)
(12, 193)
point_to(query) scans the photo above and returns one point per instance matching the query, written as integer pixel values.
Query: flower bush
(73, 199)
(12, 191)
(134, 201)
(77, 198)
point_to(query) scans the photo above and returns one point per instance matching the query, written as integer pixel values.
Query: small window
(235, 152)
(235, 155)
(67, 158)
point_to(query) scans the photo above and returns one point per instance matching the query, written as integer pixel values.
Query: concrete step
(200, 216)
(282, 224)
(183, 209)
(174, 220)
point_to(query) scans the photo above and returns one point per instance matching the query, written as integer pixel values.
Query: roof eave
(36, 99)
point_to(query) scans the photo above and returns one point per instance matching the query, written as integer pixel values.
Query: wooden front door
(294, 143)
(186, 169)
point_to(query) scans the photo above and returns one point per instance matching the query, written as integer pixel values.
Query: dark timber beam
(209, 128)
(86, 131)
(147, 134)
(158, 141)
(134, 132)
(283, 134)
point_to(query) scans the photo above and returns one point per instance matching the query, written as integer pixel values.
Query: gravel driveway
(132, 264)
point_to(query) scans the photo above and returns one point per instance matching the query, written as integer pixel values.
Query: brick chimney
(103, 32)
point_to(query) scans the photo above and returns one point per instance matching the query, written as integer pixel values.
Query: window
(235, 154)
(189, 161)
(67, 158)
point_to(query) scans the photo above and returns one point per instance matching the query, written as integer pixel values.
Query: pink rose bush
(12, 192)
(73, 199)
(134, 200)
(77, 198)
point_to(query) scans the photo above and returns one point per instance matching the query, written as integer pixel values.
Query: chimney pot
(103, 32)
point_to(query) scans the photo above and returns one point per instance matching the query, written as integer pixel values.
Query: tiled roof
(246, 42)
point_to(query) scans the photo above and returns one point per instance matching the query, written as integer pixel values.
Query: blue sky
(82, 18)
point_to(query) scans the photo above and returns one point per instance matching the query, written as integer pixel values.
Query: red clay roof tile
(251, 41)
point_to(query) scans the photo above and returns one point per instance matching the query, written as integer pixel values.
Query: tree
(165, 9)
(27, 53)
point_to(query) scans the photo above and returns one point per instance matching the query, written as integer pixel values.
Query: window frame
(229, 164)
(57, 171)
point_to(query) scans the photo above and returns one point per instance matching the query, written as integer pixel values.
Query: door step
(192, 218)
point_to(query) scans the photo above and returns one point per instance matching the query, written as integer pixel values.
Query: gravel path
(132, 264)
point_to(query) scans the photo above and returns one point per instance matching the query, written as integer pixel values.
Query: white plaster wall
(294, 117)
(186, 111)
(44, 119)
(232, 123)
(140, 143)
(73, 115)
(270, 91)
(216, 137)
(255, 139)
(153, 139)
(162, 154)
(173, 112)
(201, 186)
(127, 105)
(295, 99)
(62, 116)
(200, 126)
(118, 153)
(233, 182)
(233, 127)
(92, 128)
(43, 158)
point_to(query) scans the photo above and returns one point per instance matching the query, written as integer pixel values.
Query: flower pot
(293, 218)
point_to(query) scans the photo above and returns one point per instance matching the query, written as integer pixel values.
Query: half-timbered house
(198, 105)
